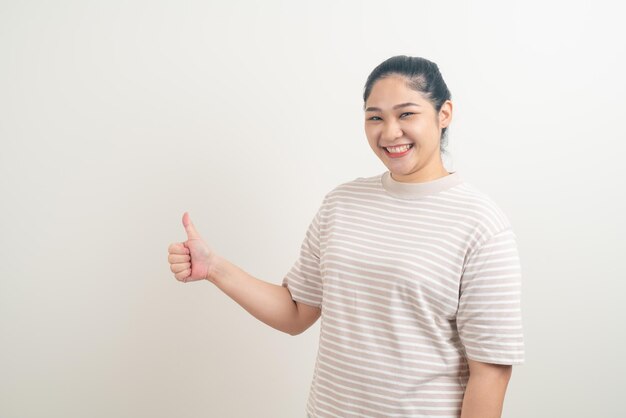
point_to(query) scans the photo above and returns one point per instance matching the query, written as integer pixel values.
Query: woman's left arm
(484, 394)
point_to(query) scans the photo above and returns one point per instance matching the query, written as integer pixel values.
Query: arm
(269, 303)
(485, 390)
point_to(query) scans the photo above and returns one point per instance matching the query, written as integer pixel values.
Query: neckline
(416, 190)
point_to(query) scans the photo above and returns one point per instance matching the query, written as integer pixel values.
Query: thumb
(189, 227)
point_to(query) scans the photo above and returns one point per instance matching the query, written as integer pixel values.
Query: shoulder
(354, 186)
(485, 215)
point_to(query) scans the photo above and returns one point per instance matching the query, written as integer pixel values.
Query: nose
(391, 131)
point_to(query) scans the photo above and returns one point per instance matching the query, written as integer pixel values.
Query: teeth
(398, 149)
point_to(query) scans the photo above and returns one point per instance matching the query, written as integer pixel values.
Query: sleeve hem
(307, 302)
(315, 305)
(501, 361)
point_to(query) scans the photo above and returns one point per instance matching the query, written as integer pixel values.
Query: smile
(400, 151)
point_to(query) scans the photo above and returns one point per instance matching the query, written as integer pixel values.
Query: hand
(191, 260)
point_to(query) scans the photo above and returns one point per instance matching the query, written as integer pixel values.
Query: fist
(191, 260)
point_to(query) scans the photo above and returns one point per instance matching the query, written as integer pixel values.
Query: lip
(398, 154)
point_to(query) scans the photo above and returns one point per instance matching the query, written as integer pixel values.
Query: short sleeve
(304, 279)
(489, 318)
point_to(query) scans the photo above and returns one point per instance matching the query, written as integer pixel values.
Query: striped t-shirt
(412, 279)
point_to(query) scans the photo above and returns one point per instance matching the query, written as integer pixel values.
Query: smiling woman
(414, 272)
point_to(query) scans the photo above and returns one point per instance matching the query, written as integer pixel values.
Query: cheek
(373, 144)
(415, 131)
(424, 129)
(371, 135)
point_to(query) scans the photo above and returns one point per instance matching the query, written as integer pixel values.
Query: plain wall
(116, 117)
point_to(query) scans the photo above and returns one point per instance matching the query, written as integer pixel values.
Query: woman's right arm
(272, 304)
(268, 302)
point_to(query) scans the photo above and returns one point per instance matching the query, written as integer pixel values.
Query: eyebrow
(376, 109)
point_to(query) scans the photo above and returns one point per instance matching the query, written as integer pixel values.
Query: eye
(372, 118)
(407, 113)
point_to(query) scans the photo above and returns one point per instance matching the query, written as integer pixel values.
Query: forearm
(484, 395)
(269, 303)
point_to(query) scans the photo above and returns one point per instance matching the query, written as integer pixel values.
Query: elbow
(297, 328)
(294, 332)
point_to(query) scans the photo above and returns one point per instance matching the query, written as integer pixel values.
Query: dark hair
(422, 75)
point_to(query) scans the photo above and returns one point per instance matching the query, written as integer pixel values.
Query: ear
(445, 114)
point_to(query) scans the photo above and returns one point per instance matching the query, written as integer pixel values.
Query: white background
(118, 116)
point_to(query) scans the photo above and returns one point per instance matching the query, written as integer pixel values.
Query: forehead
(392, 90)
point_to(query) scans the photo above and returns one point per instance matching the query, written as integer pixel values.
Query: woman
(414, 272)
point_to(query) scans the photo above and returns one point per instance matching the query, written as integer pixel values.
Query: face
(390, 122)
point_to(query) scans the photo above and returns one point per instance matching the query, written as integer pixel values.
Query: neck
(421, 175)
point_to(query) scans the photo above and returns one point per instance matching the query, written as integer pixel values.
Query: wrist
(216, 268)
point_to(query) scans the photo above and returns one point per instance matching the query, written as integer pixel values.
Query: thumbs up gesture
(191, 260)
